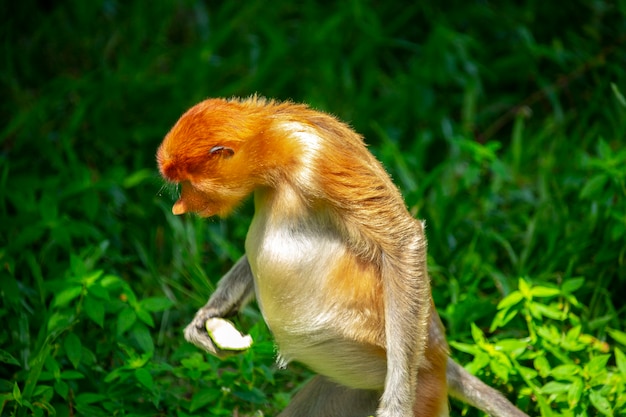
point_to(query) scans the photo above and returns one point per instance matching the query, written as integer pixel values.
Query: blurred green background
(503, 123)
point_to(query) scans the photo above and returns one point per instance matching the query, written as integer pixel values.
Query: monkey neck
(287, 204)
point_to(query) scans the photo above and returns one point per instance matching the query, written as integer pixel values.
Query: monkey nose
(179, 207)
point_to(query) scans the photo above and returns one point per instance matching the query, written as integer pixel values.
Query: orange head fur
(219, 151)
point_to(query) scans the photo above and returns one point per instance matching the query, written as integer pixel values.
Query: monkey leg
(324, 398)
(431, 394)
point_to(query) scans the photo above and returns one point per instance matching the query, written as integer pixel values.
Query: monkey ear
(224, 151)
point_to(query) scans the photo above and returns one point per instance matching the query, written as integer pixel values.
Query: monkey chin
(211, 212)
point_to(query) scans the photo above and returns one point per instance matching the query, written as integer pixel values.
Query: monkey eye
(225, 151)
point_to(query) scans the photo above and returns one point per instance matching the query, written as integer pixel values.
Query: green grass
(504, 125)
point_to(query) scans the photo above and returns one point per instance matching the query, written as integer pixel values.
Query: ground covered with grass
(504, 125)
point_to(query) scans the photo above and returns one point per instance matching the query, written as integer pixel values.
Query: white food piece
(226, 336)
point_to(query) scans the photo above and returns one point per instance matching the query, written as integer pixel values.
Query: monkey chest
(291, 268)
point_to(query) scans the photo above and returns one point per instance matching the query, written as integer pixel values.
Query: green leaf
(515, 346)
(71, 375)
(566, 372)
(593, 186)
(113, 375)
(502, 317)
(575, 392)
(90, 398)
(111, 282)
(141, 360)
(553, 387)
(535, 310)
(90, 278)
(144, 377)
(17, 394)
(62, 389)
(618, 94)
(125, 320)
(481, 361)
(544, 406)
(618, 335)
(143, 337)
(195, 362)
(203, 397)
(137, 178)
(542, 365)
(155, 304)
(43, 390)
(540, 291)
(91, 411)
(73, 348)
(605, 151)
(601, 403)
(94, 308)
(465, 347)
(36, 365)
(524, 288)
(549, 333)
(478, 335)
(6, 357)
(620, 360)
(550, 311)
(572, 284)
(145, 316)
(65, 296)
(99, 291)
(597, 364)
(527, 373)
(500, 370)
(253, 395)
(53, 366)
(510, 300)
(59, 320)
(573, 334)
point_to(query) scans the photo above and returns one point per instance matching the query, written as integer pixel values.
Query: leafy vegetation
(503, 124)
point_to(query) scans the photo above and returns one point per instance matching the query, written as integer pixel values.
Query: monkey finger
(199, 321)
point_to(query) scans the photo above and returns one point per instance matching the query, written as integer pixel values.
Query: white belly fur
(289, 265)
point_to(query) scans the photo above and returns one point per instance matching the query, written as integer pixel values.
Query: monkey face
(207, 187)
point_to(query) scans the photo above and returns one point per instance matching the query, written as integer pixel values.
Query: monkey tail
(466, 387)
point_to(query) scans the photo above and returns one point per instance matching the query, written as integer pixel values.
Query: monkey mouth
(206, 212)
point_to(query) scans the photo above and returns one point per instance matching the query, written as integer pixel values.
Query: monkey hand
(216, 335)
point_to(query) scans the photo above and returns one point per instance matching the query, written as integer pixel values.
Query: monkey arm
(407, 315)
(234, 291)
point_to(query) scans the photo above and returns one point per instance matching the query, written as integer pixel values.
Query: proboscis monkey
(335, 260)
